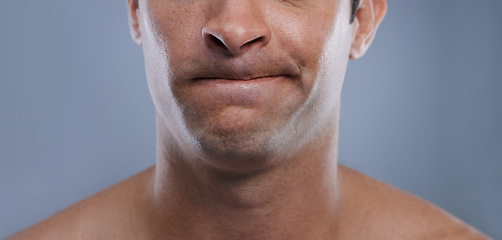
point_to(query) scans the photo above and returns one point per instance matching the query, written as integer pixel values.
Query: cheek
(169, 31)
(304, 37)
(335, 55)
(175, 31)
(323, 52)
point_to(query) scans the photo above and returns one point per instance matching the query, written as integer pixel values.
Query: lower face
(244, 125)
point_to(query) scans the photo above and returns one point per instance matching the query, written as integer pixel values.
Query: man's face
(247, 79)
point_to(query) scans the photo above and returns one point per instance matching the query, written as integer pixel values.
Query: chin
(242, 152)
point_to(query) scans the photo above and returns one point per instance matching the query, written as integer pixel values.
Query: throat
(281, 203)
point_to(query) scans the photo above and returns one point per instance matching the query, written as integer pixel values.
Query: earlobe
(132, 6)
(368, 17)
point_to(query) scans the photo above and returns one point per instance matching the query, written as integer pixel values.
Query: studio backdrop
(422, 110)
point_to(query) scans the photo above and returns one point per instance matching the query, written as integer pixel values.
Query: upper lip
(238, 77)
(243, 70)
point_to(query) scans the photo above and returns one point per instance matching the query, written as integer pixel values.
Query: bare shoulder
(384, 212)
(86, 219)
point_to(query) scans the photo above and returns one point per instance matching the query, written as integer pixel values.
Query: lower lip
(237, 81)
(240, 92)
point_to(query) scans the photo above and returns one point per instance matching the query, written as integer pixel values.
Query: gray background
(421, 111)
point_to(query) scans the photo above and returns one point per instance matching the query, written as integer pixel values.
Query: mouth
(243, 79)
(239, 90)
(242, 70)
(250, 84)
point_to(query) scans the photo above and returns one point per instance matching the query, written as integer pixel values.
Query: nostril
(235, 37)
(216, 41)
(251, 42)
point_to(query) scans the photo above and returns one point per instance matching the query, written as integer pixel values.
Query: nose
(237, 27)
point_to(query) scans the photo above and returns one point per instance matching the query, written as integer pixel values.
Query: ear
(368, 17)
(132, 7)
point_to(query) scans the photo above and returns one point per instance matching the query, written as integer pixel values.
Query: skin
(247, 97)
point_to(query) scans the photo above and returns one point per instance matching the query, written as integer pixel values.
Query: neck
(296, 200)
